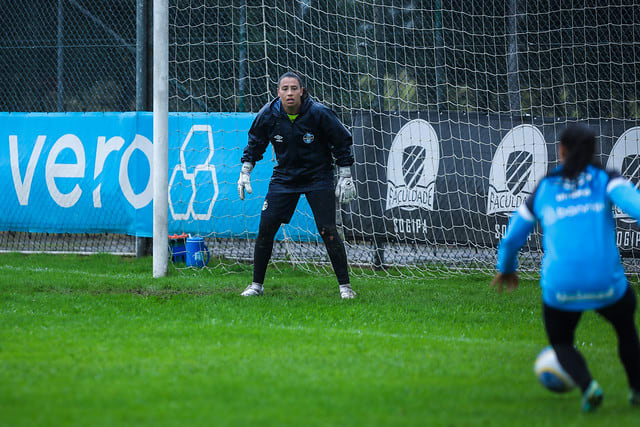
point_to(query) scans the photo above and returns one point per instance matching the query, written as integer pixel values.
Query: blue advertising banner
(91, 173)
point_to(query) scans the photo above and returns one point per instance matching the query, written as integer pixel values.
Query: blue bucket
(178, 253)
(197, 252)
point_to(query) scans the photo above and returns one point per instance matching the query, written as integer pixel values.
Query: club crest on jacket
(308, 138)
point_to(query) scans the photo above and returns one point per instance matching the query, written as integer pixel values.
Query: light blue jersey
(581, 268)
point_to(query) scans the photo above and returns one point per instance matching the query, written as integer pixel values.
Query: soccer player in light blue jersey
(581, 268)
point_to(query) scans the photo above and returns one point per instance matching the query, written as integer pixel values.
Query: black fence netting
(68, 55)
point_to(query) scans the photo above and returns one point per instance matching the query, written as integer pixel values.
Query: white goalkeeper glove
(244, 182)
(345, 190)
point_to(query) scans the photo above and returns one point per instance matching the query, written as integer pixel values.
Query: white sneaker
(346, 292)
(254, 289)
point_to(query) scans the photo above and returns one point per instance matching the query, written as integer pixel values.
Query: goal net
(455, 108)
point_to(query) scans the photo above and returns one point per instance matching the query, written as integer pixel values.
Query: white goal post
(160, 136)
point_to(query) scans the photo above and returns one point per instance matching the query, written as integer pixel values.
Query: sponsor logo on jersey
(278, 138)
(308, 138)
(625, 158)
(517, 165)
(551, 215)
(585, 296)
(412, 167)
(575, 193)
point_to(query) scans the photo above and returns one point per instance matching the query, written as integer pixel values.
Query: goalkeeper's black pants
(561, 325)
(278, 208)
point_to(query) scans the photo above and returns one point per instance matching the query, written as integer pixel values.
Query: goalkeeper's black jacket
(304, 148)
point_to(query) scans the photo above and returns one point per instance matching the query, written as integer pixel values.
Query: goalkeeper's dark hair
(580, 142)
(298, 77)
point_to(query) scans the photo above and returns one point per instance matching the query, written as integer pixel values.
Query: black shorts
(279, 207)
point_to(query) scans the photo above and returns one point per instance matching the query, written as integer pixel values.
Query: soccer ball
(550, 373)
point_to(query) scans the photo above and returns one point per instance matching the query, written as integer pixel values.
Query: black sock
(337, 253)
(574, 364)
(263, 250)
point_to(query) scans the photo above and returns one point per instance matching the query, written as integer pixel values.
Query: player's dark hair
(580, 143)
(297, 77)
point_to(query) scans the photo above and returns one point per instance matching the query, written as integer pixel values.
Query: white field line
(581, 345)
(424, 336)
(65, 271)
(378, 334)
(4, 251)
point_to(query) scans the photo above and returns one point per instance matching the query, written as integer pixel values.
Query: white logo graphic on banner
(200, 177)
(625, 158)
(412, 167)
(519, 161)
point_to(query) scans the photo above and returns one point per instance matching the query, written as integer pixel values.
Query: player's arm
(338, 138)
(624, 195)
(258, 139)
(520, 226)
(253, 152)
(340, 141)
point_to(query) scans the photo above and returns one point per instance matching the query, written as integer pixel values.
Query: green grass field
(97, 341)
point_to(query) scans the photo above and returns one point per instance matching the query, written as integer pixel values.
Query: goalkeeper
(306, 136)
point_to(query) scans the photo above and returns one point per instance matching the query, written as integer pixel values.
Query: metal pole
(266, 56)
(242, 48)
(160, 137)
(512, 60)
(381, 72)
(60, 101)
(380, 37)
(142, 84)
(378, 254)
(141, 56)
(441, 77)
